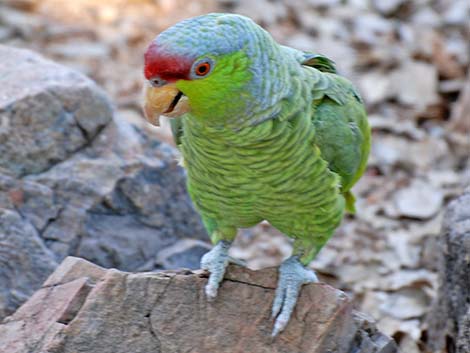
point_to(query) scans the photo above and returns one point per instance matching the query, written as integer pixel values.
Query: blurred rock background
(408, 58)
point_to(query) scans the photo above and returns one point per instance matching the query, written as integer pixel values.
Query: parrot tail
(350, 200)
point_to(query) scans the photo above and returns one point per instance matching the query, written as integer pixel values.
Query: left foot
(292, 275)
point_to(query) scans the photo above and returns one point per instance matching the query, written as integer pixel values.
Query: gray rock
(460, 117)
(186, 253)
(458, 13)
(418, 200)
(388, 7)
(24, 261)
(449, 321)
(119, 209)
(420, 90)
(83, 308)
(75, 181)
(47, 112)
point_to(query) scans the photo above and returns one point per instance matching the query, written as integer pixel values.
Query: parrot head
(210, 66)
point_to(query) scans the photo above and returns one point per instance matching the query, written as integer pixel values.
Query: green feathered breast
(295, 170)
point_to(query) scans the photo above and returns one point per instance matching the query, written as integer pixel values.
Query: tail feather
(350, 201)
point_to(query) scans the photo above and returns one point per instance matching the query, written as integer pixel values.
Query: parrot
(266, 133)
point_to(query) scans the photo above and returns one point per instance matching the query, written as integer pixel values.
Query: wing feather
(342, 132)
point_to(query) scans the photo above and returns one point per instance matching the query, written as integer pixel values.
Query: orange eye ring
(203, 69)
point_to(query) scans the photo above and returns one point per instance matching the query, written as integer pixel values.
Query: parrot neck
(277, 91)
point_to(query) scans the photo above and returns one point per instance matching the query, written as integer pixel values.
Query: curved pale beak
(165, 100)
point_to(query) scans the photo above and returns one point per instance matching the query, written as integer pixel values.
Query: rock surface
(47, 112)
(449, 322)
(74, 180)
(85, 308)
(24, 261)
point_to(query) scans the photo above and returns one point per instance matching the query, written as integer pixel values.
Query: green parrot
(266, 132)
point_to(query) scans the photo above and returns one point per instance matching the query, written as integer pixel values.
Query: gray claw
(292, 275)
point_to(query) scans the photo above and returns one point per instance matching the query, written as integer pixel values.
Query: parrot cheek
(166, 100)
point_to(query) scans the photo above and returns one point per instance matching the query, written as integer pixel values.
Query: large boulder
(122, 203)
(85, 308)
(74, 180)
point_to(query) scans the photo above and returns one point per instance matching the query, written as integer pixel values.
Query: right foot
(215, 261)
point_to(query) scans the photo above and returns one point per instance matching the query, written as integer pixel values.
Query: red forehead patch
(168, 67)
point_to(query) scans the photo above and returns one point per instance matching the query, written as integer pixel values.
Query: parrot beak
(164, 100)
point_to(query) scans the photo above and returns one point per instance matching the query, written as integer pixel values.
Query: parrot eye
(202, 68)
(156, 82)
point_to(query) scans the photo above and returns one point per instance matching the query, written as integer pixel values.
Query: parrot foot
(292, 275)
(215, 261)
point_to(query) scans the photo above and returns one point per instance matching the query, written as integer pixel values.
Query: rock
(460, 117)
(24, 261)
(388, 7)
(186, 253)
(262, 11)
(406, 303)
(25, 5)
(324, 27)
(84, 308)
(395, 151)
(372, 29)
(45, 118)
(26, 25)
(448, 322)
(458, 13)
(375, 87)
(76, 181)
(323, 3)
(5, 33)
(418, 200)
(72, 50)
(426, 16)
(409, 345)
(415, 84)
(446, 62)
(120, 205)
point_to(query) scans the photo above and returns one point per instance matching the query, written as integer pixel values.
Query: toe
(213, 283)
(236, 261)
(309, 276)
(288, 304)
(278, 300)
(215, 261)
(279, 326)
(211, 292)
(292, 275)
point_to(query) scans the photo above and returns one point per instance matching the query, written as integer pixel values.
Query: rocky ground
(409, 59)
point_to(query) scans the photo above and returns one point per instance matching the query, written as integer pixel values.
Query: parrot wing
(342, 132)
(319, 62)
